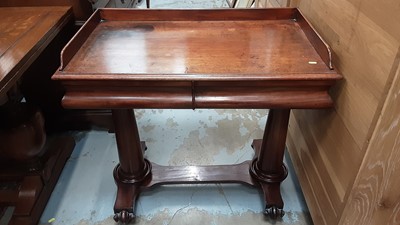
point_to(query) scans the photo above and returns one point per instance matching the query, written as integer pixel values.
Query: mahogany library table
(221, 58)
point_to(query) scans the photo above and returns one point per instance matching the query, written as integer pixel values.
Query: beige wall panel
(294, 3)
(261, 3)
(335, 25)
(363, 50)
(332, 145)
(366, 65)
(316, 211)
(375, 198)
(328, 194)
(272, 3)
(283, 3)
(322, 210)
(371, 52)
(328, 146)
(338, 15)
(386, 14)
(340, 157)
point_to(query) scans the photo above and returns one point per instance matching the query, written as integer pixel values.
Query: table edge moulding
(258, 81)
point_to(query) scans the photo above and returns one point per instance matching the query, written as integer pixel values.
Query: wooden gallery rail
(224, 58)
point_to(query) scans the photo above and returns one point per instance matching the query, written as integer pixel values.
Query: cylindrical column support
(267, 167)
(132, 163)
(270, 158)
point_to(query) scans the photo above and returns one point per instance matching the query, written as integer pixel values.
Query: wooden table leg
(133, 169)
(267, 167)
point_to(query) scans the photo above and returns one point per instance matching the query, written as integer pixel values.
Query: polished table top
(24, 33)
(221, 58)
(200, 47)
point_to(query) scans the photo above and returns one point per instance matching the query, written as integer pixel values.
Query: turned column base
(270, 184)
(129, 187)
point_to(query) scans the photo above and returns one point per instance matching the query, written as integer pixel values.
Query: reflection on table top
(197, 47)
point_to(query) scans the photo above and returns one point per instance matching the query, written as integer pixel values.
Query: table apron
(205, 97)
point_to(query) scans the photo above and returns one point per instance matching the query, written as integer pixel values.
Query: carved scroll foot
(270, 185)
(274, 212)
(271, 188)
(128, 190)
(124, 217)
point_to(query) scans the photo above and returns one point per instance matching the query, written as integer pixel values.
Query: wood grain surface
(25, 32)
(364, 37)
(82, 9)
(205, 47)
(196, 59)
(375, 196)
(272, 3)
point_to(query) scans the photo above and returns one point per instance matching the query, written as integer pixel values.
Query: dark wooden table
(261, 58)
(30, 163)
(25, 33)
(82, 9)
